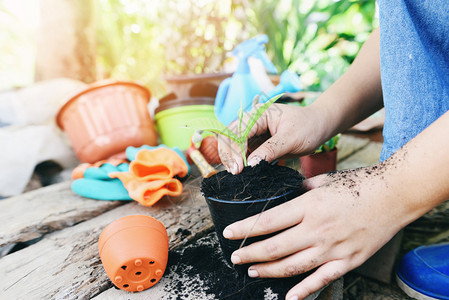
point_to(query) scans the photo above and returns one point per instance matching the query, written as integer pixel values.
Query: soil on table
(263, 181)
(198, 271)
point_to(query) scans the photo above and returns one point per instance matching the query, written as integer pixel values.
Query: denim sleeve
(414, 53)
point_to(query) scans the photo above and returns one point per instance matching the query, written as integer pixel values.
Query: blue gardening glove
(131, 152)
(97, 184)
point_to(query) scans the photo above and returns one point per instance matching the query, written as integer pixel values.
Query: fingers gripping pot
(232, 198)
(224, 213)
(134, 252)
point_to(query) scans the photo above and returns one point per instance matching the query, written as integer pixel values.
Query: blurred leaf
(296, 29)
(331, 45)
(212, 125)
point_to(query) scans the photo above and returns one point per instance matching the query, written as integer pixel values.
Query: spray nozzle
(262, 55)
(253, 47)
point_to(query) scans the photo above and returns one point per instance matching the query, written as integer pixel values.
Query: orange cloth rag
(150, 175)
(160, 163)
(148, 192)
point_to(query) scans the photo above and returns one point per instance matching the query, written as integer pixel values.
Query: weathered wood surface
(33, 214)
(348, 145)
(185, 279)
(360, 287)
(66, 264)
(366, 156)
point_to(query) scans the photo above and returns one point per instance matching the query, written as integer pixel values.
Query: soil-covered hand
(295, 130)
(342, 220)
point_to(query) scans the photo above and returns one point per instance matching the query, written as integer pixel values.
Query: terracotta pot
(107, 117)
(195, 85)
(134, 252)
(318, 163)
(209, 149)
(201, 85)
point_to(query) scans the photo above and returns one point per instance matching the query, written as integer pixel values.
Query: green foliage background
(145, 40)
(317, 39)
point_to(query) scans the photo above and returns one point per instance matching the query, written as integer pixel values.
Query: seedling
(329, 145)
(215, 126)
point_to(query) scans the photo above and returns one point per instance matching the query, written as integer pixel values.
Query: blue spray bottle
(241, 88)
(289, 83)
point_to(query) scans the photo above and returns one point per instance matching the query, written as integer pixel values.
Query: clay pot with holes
(134, 252)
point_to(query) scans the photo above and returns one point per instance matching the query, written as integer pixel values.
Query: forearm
(356, 94)
(417, 176)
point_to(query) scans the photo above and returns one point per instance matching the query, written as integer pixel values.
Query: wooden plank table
(64, 262)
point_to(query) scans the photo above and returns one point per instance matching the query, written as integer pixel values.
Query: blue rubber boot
(423, 273)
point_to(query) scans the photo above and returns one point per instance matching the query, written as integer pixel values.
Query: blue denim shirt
(414, 53)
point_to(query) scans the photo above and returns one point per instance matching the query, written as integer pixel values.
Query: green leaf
(212, 125)
(257, 114)
(240, 116)
(329, 145)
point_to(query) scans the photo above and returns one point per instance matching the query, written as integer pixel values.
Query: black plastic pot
(225, 212)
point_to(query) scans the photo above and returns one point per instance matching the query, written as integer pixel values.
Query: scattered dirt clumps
(191, 276)
(352, 178)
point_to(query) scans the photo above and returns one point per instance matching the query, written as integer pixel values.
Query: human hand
(295, 130)
(342, 220)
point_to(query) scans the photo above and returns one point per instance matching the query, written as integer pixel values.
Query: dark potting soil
(198, 271)
(265, 180)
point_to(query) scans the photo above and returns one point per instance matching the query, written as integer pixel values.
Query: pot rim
(168, 104)
(182, 109)
(94, 86)
(190, 78)
(250, 201)
(127, 223)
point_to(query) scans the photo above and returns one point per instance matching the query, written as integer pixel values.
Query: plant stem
(242, 149)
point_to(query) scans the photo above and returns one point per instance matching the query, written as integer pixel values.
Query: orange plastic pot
(134, 252)
(209, 149)
(105, 118)
(318, 163)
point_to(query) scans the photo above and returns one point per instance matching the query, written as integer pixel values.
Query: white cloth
(29, 134)
(22, 148)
